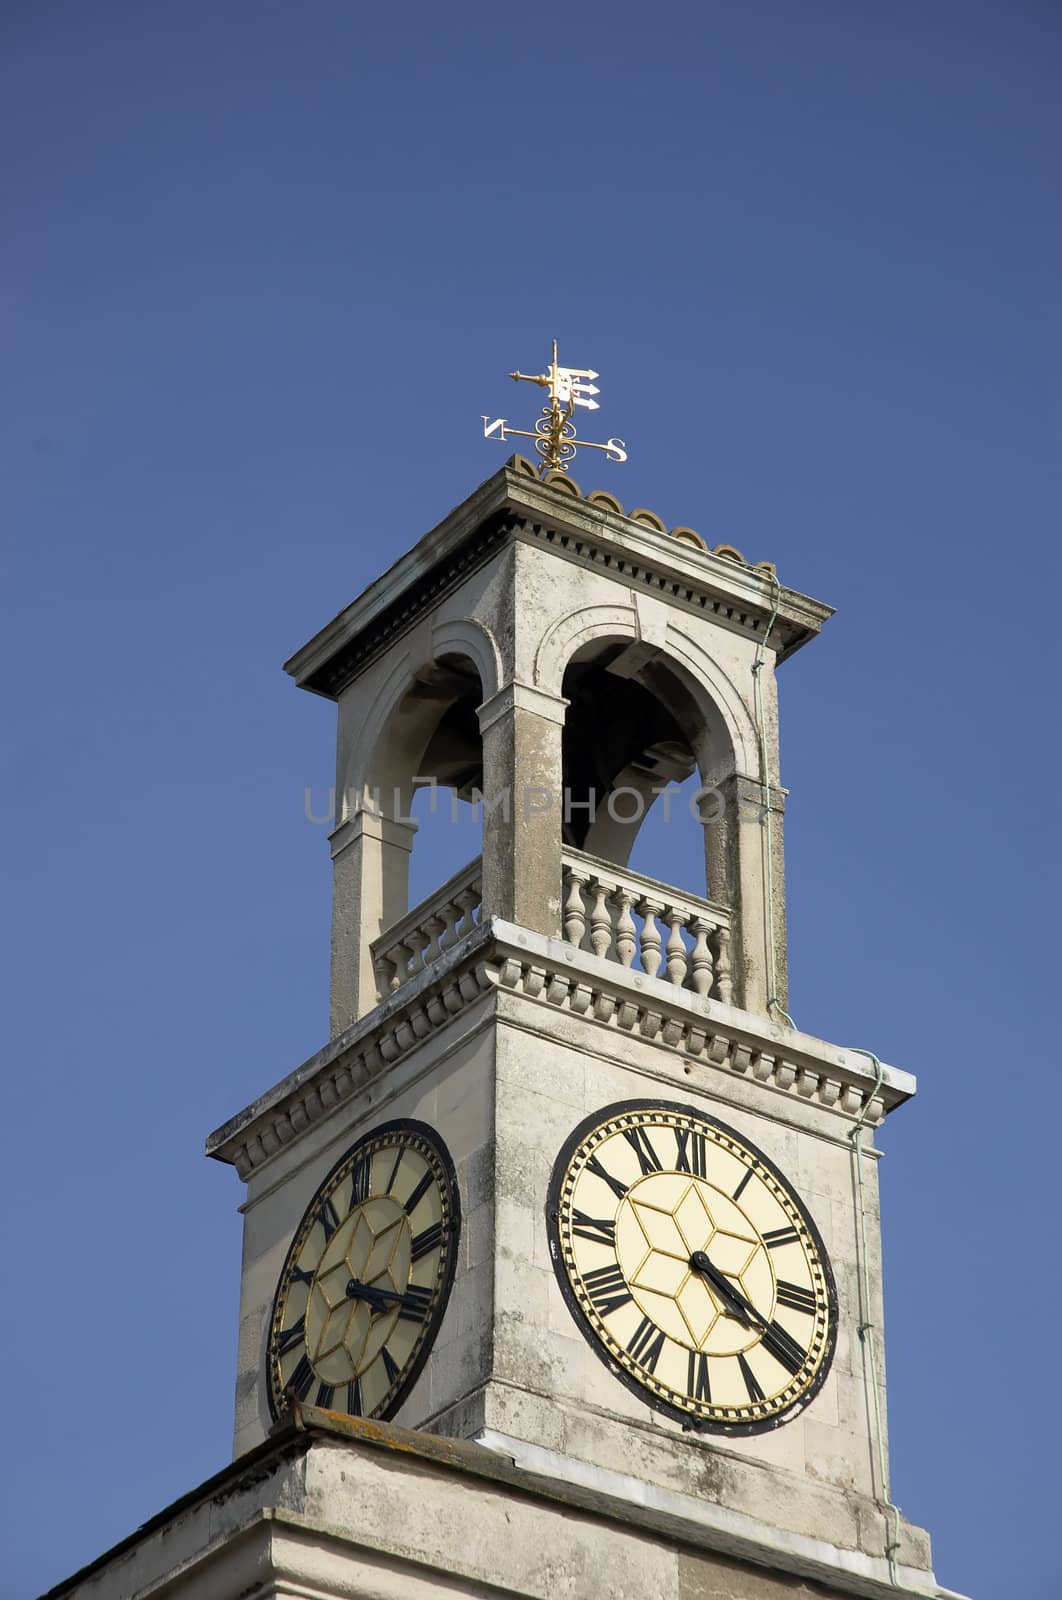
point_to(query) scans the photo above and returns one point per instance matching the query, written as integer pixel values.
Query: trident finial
(554, 431)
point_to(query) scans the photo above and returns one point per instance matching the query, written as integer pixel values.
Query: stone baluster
(434, 928)
(600, 920)
(677, 959)
(417, 942)
(468, 902)
(450, 913)
(400, 957)
(722, 965)
(386, 977)
(626, 933)
(651, 940)
(575, 910)
(701, 963)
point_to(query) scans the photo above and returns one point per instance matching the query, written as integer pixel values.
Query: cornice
(395, 603)
(500, 955)
(592, 530)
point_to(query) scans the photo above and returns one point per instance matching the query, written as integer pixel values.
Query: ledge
(500, 955)
(219, 1513)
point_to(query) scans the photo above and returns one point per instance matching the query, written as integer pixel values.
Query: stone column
(735, 842)
(370, 890)
(522, 801)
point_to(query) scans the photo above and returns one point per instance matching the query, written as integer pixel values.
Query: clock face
(366, 1279)
(692, 1267)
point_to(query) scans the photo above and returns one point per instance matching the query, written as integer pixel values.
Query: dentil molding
(500, 955)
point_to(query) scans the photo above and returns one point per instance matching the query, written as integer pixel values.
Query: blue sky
(266, 266)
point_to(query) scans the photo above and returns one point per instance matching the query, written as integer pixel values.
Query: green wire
(773, 1001)
(867, 1343)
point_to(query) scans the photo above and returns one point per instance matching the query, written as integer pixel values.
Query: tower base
(338, 1507)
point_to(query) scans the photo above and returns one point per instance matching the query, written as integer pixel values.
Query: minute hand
(721, 1283)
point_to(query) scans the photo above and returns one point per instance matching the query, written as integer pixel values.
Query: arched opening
(414, 796)
(636, 756)
(450, 772)
(644, 847)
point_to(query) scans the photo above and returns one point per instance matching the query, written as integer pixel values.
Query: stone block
(477, 1247)
(837, 1457)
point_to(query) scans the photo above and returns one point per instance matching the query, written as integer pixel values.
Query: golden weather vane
(554, 431)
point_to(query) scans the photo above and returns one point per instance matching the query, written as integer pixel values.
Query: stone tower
(611, 1325)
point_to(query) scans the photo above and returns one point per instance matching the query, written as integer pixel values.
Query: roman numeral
(618, 1187)
(602, 1230)
(360, 1181)
(328, 1217)
(354, 1397)
(640, 1143)
(301, 1379)
(299, 1276)
(394, 1170)
(418, 1194)
(779, 1236)
(692, 1152)
(646, 1345)
(697, 1385)
(390, 1365)
(291, 1337)
(607, 1289)
(325, 1395)
(740, 1190)
(418, 1304)
(427, 1240)
(797, 1299)
(783, 1347)
(752, 1388)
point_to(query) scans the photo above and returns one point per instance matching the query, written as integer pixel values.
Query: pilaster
(522, 789)
(744, 851)
(370, 865)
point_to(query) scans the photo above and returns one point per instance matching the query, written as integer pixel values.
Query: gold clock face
(366, 1279)
(692, 1267)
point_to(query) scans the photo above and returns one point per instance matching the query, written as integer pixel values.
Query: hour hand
(381, 1299)
(374, 1298)
(734, 1301)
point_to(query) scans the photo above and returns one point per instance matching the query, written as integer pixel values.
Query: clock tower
(561, 1268)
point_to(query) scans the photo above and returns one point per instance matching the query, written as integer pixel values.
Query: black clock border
(689, 1421)
(423, 1131)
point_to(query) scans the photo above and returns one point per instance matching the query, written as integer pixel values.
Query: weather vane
(554, 431)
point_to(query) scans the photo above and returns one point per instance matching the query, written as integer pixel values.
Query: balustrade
(619, 915)
(429, 929)
(625, 917)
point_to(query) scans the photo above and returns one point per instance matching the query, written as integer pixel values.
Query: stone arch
(722, 706)
(699, 710)
(413, 720)
(719, 693)
(472, 640)
(570, 632)
(384, 753)
(362, 744)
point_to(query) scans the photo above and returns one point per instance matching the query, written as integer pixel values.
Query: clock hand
(378, 1298)
(737, 1304)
